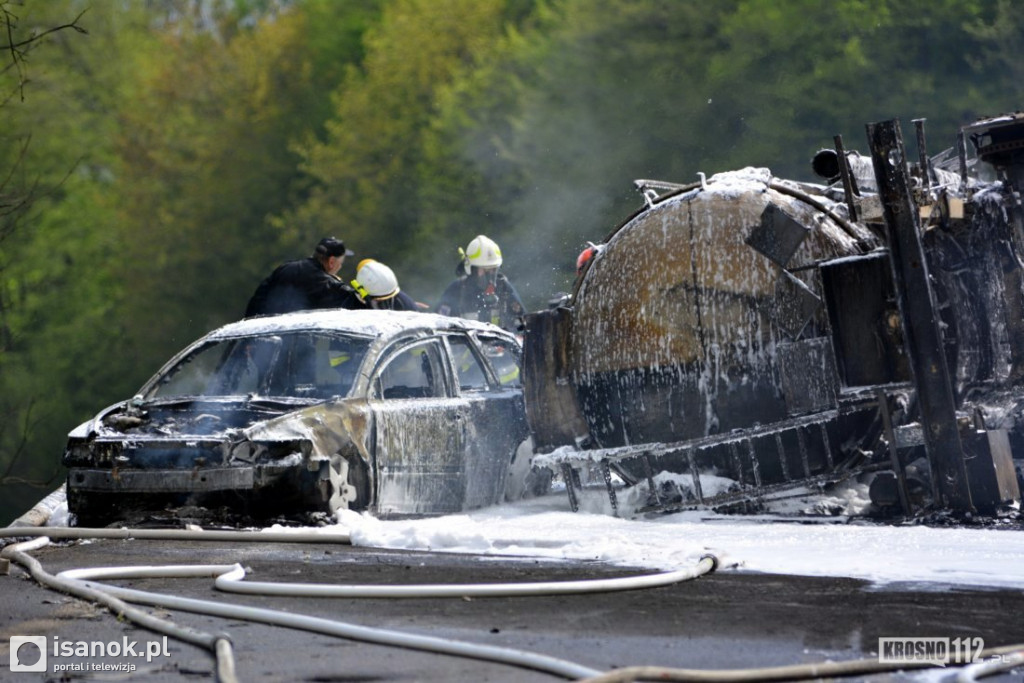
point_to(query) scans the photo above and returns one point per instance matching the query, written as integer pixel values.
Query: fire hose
(79, 582)
(230, 578)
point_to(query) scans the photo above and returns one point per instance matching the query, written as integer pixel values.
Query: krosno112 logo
(937, 651)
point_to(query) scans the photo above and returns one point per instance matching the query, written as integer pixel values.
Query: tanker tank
(678, 323)
(766, 332)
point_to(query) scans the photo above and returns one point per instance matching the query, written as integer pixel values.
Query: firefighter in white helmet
(481, 292)
(378, 288)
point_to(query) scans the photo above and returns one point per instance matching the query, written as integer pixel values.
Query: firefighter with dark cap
(481, 292)
(306, 283)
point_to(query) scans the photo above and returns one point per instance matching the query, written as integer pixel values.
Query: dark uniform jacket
(477, 299)
(403, 302)
(300, 285)
(399, 302)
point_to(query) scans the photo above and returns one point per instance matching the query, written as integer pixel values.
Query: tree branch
(18, 49)
(28, 41)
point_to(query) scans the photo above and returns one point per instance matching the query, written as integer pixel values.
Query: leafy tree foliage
(368, 169)
(38, 177)
(208, 143)
(607, 92)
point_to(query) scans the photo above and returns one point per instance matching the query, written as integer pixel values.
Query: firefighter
(306, 283)
(582, 263)
(378, 289)
(585, 258)
(481, 292)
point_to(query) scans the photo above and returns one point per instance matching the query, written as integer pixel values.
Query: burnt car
(398, 413)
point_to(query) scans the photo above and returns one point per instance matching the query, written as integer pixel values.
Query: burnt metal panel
(794, 304)
(496, 425)
(908, 435)
(554, 415)
(990, 472)
(998, 140)
(164, 481)
(809, 379)
(778, 236)
(867, 329)
(894, 458)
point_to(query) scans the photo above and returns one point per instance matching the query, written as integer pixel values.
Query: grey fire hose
(231, 578)
(78, 582)
(219, 645)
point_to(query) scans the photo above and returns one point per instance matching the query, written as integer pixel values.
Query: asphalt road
(722, 620)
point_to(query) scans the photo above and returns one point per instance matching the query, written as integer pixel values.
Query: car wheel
(89, 510)
(348, 486)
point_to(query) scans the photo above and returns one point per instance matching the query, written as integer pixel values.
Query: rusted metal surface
(674, 329)
(551, 405)
(776, 332)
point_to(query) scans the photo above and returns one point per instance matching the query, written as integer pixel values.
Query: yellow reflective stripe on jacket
(510, 376)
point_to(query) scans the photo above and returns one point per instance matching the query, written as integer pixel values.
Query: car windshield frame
(293, 364)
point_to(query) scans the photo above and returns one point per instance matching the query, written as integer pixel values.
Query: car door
(487, 369)
(419, 438)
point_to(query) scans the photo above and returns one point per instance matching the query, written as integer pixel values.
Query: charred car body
(397, 413)
(748, 334)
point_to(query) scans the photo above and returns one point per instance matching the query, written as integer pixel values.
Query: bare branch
(21, 157)
(20, 451)
(15, 203)
(28, 41)
(18, 49)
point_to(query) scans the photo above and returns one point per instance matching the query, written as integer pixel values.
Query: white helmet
(375, 280)
(482, 252)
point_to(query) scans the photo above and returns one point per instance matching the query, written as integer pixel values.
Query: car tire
(94, 510)
(348, 484)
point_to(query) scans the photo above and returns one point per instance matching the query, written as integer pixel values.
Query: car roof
(368, 323)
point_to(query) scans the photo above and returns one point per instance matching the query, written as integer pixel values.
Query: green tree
(998, 70)
(368, 170)
(208, 144)
(160, 144)
(608, 91)
(797, 73)
(50, 151)
(589, 97)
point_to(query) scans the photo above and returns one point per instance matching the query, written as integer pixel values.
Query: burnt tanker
(754, 334)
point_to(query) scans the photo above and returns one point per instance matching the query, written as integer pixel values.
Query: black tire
(92, 510)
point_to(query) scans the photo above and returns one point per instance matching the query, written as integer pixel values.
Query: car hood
(208, 417)
(223, 430)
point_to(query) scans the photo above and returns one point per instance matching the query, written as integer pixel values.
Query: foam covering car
(398, 413)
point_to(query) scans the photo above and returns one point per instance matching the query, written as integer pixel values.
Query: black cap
(330, 246)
